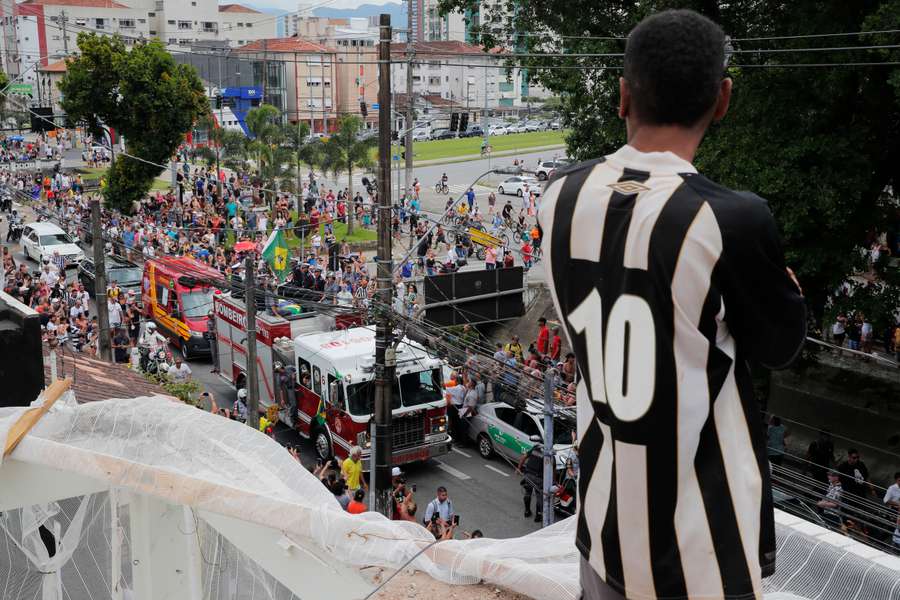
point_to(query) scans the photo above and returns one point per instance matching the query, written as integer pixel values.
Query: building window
(149, 14)
(249, 24)
(186, 42)
(171, 21)
(152, 32)
(126, 23)
(240, 24)
(172, 41)
(184, 24)
(100, 23)
(142, 20)
(209, 26)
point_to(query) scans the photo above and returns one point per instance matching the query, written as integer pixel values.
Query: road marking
(448, 469)
(458, 451)
(496, 470)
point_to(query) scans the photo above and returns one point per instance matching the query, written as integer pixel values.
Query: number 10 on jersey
(622, 365)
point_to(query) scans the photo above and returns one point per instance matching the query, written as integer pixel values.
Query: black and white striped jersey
(667, 285)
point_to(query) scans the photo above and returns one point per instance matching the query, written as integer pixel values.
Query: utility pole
(63, 18)
(549, 459)
(484, 112)
(100, 280)
(380, 499)
(410, 105)
(252, 373)
(221, 102)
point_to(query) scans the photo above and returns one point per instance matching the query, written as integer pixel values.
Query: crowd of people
(855, 332)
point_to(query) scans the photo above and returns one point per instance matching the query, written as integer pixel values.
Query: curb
(470, 157)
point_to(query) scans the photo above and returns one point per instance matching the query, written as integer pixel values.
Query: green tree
(304, 150)
(144, 95)
(264, 123)
(344, 151)
(4, 82)
(820, 144)
(234, 148)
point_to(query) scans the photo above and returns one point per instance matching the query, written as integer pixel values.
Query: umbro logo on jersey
(628, 187)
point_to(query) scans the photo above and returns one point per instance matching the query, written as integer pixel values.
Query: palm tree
(344, 151)
(265, 145)
(304, 150)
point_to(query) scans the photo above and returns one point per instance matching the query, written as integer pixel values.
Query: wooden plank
(30, 418)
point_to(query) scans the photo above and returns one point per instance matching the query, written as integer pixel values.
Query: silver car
(502, 429)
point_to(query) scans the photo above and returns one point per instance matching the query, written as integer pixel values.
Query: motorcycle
(154, 363)
(15, 231)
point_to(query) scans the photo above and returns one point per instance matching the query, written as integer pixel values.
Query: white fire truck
(332, 382)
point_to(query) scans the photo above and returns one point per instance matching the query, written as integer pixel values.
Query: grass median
(499, 143)
(95, 173)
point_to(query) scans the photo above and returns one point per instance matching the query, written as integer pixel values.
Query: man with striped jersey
(668, 285)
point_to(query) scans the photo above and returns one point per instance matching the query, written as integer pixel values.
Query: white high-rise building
(40, 32)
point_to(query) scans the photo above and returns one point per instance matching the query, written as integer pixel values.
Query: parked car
(420, 135)
(554, 125)
(499, 428)
(519, 186)
(442, 134)
(546, 168)
(124, 272)
(534, 126)
(472, 131)
(41, 240)
(497, 130)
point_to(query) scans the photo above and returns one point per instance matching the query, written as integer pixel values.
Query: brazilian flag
(275, 252)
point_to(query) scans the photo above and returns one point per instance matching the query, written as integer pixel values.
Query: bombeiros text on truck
(324, 381)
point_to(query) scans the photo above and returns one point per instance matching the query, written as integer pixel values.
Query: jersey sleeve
(764, 309)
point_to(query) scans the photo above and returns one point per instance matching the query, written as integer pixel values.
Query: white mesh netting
(174, 452)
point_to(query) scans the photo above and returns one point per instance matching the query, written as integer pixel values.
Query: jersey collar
(653, 162)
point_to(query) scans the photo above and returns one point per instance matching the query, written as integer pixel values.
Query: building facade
(464, 76)
(298, 77)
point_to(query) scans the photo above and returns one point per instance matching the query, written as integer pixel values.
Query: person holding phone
(439, 510)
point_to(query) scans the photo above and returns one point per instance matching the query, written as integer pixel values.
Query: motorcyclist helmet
(151, 327)
(242, 394)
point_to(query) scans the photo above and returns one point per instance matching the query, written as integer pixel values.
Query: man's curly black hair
(674, 64)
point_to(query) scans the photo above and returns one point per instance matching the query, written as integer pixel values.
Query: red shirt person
(543, 338)
(555, 345)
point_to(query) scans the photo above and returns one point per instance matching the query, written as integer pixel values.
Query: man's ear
(723, 100)
(624, 98)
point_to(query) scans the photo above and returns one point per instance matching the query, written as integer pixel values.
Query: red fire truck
(331, 381)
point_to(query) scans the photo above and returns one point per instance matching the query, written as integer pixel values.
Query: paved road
(485, 493)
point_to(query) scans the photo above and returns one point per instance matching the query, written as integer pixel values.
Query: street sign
(483, 238)
(24, 89)
(374, 106)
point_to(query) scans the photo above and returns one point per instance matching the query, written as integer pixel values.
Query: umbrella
(16, 138)
(244, 246)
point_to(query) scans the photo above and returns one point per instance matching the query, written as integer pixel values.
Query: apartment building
(354, 43)
(45, 30)
(297, 76)
(461, 74)
(35, 33)
(186, 23)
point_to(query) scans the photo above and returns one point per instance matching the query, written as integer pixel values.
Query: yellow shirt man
(351, 470)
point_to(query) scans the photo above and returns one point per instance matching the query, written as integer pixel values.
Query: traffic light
(454, 122)
(363, 109)
(464, 122)
(218, 102)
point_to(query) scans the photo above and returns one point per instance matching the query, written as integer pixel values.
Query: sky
(291, 5)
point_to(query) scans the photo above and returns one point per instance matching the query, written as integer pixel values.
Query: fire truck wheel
(485, 448)
(323, 444)
(185, 351)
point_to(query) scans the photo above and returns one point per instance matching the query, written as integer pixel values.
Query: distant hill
(396, 10)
